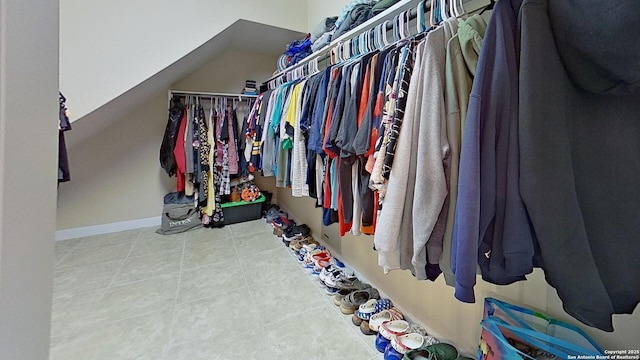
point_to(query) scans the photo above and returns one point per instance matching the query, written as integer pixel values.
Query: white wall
(116, 174)
(108, 47)
(318, 10)
(28, 174)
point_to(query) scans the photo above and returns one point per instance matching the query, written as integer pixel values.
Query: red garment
(326, 202)
(364, 98)
(178, 152)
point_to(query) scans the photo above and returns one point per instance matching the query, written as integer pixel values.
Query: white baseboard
(107, 228)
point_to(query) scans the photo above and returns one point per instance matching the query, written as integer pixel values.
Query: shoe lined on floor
(396, 338)
(384, 316)
(355, 285)
(338, 276)
(319, 265)
(388, 330)
(349, 283)
(273, 213)
(367, 310)
(441, 351)
(329, 273)
(352, 301)
(364, 311)
(280, 224)
(296, 231)
(403, 343)
(311, 257)
(298, 244)
(365, 329)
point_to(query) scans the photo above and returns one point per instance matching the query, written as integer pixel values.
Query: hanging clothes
(204, 149)
(167, 157)
(579, 151)
(462, 59)
(64, 125)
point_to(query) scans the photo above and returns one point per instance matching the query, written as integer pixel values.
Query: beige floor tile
(256, 243)
(268, 266)
(95, 255)
(54, 340)
(347, 348)
(149, 242)
(109, 239)
(138, 338)
(210, 280)
(207, 235)
(76, 350)
(290, 297)
(324, 334)
(60, 255)
(368, 340)
(250, 227)
(208, 253)
(253, 346)
(133, 299)
(142, 267)
(70, 244)
(68, 313)
(217, 318)
(241, 295)
(80, 279)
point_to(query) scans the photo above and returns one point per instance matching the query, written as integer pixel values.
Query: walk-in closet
(341, 179)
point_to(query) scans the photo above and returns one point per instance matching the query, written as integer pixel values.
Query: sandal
(384, 316)
(387, 331)
(364, 312)
(404, 343)
(352, 301)
(391, 329)
(365, 329)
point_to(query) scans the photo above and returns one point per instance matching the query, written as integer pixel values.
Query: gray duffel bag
(178, 218)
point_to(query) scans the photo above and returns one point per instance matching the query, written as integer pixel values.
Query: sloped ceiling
(242, 35)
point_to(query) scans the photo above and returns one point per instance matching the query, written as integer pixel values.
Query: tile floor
(230, 293)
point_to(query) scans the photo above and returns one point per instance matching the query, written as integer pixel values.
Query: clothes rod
(325, 53)
(210, 94)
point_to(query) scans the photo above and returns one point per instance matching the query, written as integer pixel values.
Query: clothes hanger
(371, 43)
(420, 27)
(490, 6)
(459, 11)
(444, 15)
(407, 21)
(354, 46)
(384, 33)
(337, 50)
(362, 41)
(396, 31)
(347, 50)
(431, 22)
(377, 39)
